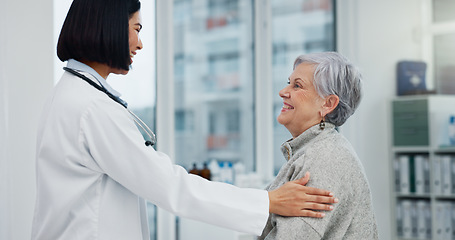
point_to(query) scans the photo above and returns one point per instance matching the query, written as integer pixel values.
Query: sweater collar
(290, 147)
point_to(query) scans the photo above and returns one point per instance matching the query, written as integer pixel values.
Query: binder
(447, 220)
(396, 167)
(453, 221)
(412, 177)
(399, 218)
(419, 174)
(428, 220)
(407, 218)
(437, 175)
(404, 174)
(446, 174)
(414, 218)
(453, 174)
(426, 174)
(439, 221)
(422, 227)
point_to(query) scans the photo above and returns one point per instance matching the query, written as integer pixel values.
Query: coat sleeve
(117, 149)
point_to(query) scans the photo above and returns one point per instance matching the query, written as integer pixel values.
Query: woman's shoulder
(75, 92)
(331, 151)
(331, 143)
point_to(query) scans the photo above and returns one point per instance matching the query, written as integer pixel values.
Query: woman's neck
(102, 69)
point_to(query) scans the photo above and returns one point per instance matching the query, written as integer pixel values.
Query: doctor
(93, 168)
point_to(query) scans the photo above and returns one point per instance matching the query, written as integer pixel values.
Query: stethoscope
(136, 119)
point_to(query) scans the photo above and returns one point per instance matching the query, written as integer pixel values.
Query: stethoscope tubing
(135, 118)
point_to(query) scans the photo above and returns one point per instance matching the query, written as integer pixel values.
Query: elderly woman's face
(302, 105)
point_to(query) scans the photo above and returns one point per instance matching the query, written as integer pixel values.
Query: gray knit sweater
(334, 166)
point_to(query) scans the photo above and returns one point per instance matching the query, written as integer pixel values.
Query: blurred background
(207, 82)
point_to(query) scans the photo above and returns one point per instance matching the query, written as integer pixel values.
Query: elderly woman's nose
(284, 93)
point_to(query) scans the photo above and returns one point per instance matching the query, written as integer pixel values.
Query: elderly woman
(322, 92)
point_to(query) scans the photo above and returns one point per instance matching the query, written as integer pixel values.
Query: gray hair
(335, 75)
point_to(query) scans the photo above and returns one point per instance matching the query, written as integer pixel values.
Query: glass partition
(443, 10)
(443, 36)
(298, 27)
(213, 74)
(444, 63)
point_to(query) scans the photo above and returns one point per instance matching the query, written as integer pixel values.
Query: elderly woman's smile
(302, 105)
(286, 107)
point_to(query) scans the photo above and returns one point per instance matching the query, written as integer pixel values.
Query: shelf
(445, 149)
(416, 149)
(424, 196)
(414, 195)
(445, 197)
(408, 168)
(401, 238)
(411, 149)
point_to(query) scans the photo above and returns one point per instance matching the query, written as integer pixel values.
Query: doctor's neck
(101, 68)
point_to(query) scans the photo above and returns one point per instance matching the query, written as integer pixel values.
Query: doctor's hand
(296, 199)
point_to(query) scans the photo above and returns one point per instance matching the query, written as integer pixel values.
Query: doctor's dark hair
(335, 75)
(97, 30)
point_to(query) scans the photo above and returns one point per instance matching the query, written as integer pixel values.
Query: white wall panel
(26, 78)
(375, 35)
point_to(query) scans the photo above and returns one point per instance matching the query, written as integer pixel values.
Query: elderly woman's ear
(330, 103)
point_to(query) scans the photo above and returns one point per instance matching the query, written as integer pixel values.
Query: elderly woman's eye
(289, 82)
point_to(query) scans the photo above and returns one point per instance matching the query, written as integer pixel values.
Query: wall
(375, 35)
(4, 183)
(26, 64)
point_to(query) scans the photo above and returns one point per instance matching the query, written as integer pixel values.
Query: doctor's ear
(330, 103)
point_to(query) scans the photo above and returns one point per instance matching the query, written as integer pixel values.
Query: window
(213, 74)
(298, 27)
(443, 37)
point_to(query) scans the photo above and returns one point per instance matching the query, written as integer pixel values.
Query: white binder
(419, 174)
(446, 174)
(407, 218)
(399, 218)
(453, 221)
(428, 220)
(426, 173)
(422, 222)
(436, 175)
(439, 221)
(453, 175)
(447, 220)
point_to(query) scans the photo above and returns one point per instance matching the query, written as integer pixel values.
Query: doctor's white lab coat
(93, 169)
